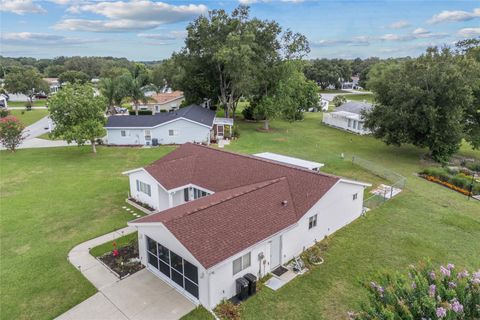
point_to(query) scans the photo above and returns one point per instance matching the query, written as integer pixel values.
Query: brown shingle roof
(166, 97)
(246, 206)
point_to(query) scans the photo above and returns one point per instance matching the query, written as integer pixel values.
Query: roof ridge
(258, 185)
(172, 160)
(267, 160)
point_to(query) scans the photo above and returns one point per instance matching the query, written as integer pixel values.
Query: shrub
(4, 113)
(248, 113)
(235, 131)
(226, 310)
(474, 166)
(141, 112)
(426, 293)
(11, 132)
(339, 100)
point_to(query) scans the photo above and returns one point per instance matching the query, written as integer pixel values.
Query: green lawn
(425, 221)
(29, 117)
(36, 103)
(368, 97)
(332, 91)
(108, 246)
(51, 200)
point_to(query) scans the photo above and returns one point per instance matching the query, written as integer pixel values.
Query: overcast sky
(152, 30)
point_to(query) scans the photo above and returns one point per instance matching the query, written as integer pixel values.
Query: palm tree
(109, 89)
(136, 93)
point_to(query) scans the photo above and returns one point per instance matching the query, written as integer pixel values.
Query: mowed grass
(426, 221)
(108, 246)
(50, 201)
(29, 117)
(367, 97)
(36, 103)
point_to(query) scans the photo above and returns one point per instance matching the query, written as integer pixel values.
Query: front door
(219, 131)
(275, 252)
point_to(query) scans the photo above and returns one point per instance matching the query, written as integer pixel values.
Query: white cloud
(356, 41)
(399, 24)
(469, 32)
(21, 6)
(129, 16)
(172, 35)
(454, 16)
(42, 39)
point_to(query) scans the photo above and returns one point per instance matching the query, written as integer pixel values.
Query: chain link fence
(384, 192)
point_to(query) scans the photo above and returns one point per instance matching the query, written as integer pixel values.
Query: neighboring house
(223, 215)
(348, 117)
(161, 102)
(353, 84)
(53, 84)
(189, 124)
(3, 101)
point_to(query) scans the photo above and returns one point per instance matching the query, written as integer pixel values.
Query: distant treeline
(326, 72)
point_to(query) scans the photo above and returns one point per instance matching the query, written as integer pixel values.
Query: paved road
(38, 128)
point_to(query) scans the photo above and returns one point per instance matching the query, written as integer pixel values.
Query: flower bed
(455, 181)
(123, 261)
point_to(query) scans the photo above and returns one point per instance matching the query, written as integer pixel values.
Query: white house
(222, 215)
(348, 117)
(3, 101)
(53, 84)
(189, 124)
(164, 101)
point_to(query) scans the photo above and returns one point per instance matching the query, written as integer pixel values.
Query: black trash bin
(242, 288)
(252, 283)
(154, 142)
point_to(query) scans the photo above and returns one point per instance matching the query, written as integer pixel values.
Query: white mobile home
(348, 117)
(189, 124)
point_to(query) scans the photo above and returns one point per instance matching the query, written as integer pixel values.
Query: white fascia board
(132, 171)
(191, 185)
(360, 183)
(143, 169)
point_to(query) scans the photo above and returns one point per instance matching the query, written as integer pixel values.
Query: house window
(144, 187)
(241, 263)
(171, 132)
(312, 222)
(349, 123)
(123, 133)
(186, 194)
(355, 196)
(148, 135)
(198, 193)
(360, 125)
(157, 108)
(179, 270)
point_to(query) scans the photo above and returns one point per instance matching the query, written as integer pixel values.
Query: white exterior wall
(334, 210)
(341, 122)
(162, 235)
(159, 198)
(187, 131)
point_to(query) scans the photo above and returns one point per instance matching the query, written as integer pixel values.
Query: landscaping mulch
(127, 261)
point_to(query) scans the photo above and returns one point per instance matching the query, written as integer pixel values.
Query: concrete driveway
(141, 296)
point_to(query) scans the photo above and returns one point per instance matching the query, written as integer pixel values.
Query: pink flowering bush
(426, 293)
(11, 132)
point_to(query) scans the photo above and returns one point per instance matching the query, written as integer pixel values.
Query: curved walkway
(141, 296)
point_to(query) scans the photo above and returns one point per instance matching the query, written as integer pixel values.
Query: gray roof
(355, 107)
(192, 112)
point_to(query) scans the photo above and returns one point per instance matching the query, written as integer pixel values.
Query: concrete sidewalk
(141, 296)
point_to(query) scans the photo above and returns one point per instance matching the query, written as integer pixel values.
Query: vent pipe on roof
(284, 203)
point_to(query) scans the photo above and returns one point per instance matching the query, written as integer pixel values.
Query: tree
(26, 81)
(339, 100)
(426, 293)
(78, 114)
(292, 95)
(132, 88)
(11, 132)
(109, 89)
(328, 72)
(422, 101)
(73, 76)
(53, 71)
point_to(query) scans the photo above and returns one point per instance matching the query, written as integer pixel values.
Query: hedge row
(460, 180)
